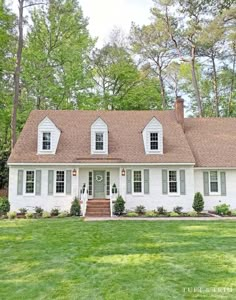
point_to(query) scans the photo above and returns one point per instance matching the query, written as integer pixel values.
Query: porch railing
(84, 199)
(113, 196)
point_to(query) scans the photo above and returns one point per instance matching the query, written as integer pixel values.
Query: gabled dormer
(99, 137)
(48, 137)
(153, 137)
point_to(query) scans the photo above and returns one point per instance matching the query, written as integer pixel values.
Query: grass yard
(72, 259)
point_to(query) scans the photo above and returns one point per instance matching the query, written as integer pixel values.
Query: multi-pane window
(108, 183)
(99, 143)
(137, 181)
(153, 141)
(46, 140)
(60, 182)
(173, 186)
(90, 187)
(29, 182)
(214, 182)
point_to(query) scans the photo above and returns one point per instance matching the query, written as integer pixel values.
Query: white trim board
(102, 164)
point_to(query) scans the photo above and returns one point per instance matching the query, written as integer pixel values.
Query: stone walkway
(213, 218)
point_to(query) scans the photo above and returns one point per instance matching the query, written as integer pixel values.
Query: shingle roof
(212, 140)
(125, 138)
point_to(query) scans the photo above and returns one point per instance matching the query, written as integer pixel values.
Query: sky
(104, 15)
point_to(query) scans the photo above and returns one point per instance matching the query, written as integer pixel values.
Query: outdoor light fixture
(74, 172)
(123, 172)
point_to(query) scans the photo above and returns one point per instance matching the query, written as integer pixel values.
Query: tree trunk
(215, 85)
(163, 93)
(195, 83)
(17, 75)
(232, 83)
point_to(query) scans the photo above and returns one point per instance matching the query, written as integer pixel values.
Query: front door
(99, 184)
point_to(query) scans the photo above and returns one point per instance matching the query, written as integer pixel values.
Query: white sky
(104, 15)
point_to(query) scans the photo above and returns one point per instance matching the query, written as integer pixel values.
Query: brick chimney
(179, 111)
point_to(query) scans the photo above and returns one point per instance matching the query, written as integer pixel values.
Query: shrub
(233, 212)
(119, 206)
(173, 214)
(222, 209)
(178, 209)
(4, 205)
(11, 215)
(140, 209)
(151, 213)
(75, 207)
(29, 215)
(63, 214)
(55, 212)
(193, 214)
(46, 215)
(132, 214)
(198, 202)
(23, 210)
(38, 210)
(161, 210)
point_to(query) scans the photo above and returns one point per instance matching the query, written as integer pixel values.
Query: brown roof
(125, 138)
(212, 140)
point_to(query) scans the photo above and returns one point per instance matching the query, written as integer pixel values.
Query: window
(46, 140)
(29, 182)
(173, 185)
(137, 181)
(214, 182)
(108, 183)
(60, 181)
(99, 141)
(153, 141)
(90, 187)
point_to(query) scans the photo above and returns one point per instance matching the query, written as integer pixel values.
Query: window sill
(174, 194)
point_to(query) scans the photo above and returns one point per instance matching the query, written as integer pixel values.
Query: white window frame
(103, 141)
(47, 150)
(142, 182)
(178, 183)
(218, 181)
(24, 181)
(150, 149)
(55, 183)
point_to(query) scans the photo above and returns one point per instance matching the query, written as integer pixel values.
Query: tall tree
(152, 44)
(22, 4)
(56, 66)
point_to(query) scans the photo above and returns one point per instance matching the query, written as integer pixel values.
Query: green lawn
(72, 259)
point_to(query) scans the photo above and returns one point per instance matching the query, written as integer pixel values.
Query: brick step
(98, 210)
(98, 206)
(97, 214)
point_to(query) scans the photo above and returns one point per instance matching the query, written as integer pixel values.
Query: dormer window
(46, 145)
(99, 137)
(99, 142)
(153, 141)
(153, 137)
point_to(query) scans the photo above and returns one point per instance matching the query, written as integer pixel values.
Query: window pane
(60, 178)
(108, 183)
(90, 183)
(213, 175)
(137, 187)
(46, 141)
(99, 141)
(29, 186)
(154, 141)
(214, 187)
(137, 176)
(173, 187)
(137, 181)
(172, 176)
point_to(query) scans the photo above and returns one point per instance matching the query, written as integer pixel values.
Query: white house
(151, 158)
